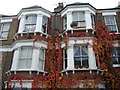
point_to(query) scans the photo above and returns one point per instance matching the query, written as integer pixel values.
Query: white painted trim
(71, 9)
(116, 65)
(34, 12)
(108, 13)
(6, 20)
(20, 43)
(80, 41)
(25, 83)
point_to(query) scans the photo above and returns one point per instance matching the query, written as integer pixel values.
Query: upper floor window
(93, 20)
(80, 18)
(116, 57)
(64, 22)
(81, 56)
(44, 24)
(4, 30)
(30, 24)
(110, 21)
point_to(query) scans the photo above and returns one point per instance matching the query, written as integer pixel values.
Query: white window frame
(115, 24)
(93, 21)
(79, 19)
(25, 58)
(42, 59)
(29, 24)
(64, 58)
(44, 24)
(73, 41)
(81, 56)
(64, 22)
(35, 56)
(117, 57)
(4, 31)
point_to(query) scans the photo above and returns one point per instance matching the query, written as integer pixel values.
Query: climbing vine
(102, 44)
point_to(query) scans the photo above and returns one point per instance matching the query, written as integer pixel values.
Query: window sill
(116, 65)
(25, 70)
(31, 32)
(3, 39)
(71, 30)
(83, 69)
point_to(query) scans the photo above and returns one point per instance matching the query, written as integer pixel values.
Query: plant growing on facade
(102, 44)
(74, 24)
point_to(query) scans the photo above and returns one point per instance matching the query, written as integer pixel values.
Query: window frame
(44, 26)
(30, 24)
(42, 59)
(81, 57)
(114, 21)
(65, 22)
(4, 31)
(24, 58)
(64, 58)
(116, 56)
(79, 19)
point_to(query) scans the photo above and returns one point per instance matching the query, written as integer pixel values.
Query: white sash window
(25, 58)
(80, 18)
(110, 21)
(81, 56)
(30, 24)
(4, 30)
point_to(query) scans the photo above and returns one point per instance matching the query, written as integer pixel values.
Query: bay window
(4, 30)
(116, 57)
(79, 17)
(81, 56)
(110, 21)
(28, 58)
(30, 24)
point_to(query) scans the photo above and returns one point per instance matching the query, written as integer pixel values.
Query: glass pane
(44, 21)
(28, 63)
(75, 16)
(23, 52)
(77, 51)
(6, 27)
(112, 21)
(119, 60)
(40, 64)
(41, 54)
(81, 16)
(65, 63)
(31, 19)
(30, 27)
(29, 52)
(85, 62)
(77, 61)
(107, 21)
(118, 51)
(84, 50)
(81, 24)
(4, 34)
(114, 60)
(22, 64)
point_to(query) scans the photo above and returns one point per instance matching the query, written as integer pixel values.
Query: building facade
(24, 41)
